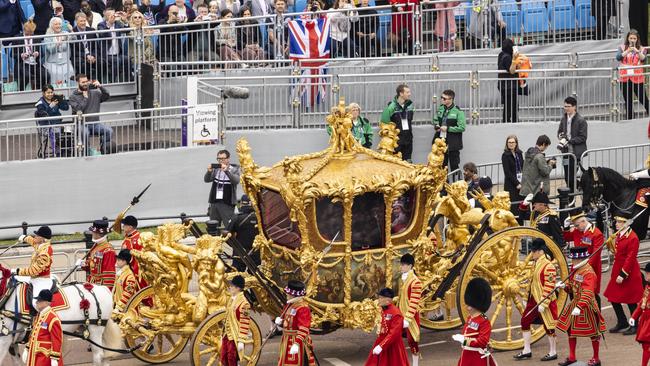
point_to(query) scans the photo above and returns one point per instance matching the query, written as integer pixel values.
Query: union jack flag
(309, 39)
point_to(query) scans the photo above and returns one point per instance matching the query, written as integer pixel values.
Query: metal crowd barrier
(624, 159)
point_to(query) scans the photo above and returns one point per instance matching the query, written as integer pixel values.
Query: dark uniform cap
(485, 183)
(578, 253)
(100, 227)
(130, 220)
(238, 281)
(478, 294)
(44, 232)
(124, 255)
(407, 259)
(245, 200)
(44, 295)
(295, 288)
(386, 292)
(537, 244)
(541, 197)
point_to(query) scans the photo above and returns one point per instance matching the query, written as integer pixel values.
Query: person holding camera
(572, 134)
(87, 99)
(223, 193)
(630, 54)
(537, 170)
(449, 124)
(50, 105)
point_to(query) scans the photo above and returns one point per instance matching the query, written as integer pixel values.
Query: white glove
(632, 322)
(25, 355)
(528, 199)
(560, 284)
(54, 363)
(294, 349)
(541, 308)
(406, 323)
(575, 311)
(79, 262)
(240, 346)
(14, 271)
(278, 321)
(567, 222)
(377, 350)
(458, 338)
(22, 238)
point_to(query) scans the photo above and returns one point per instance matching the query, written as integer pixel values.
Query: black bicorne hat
(44, 232)
(407, 259)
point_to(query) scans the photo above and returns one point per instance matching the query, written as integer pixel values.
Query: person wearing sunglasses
(449, 124)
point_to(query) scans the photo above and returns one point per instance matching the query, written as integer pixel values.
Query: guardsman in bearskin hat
(295, 320)
(237, 323)
(542, 284)
(584, 234)
(100, 263)
(641, 319)
(38, 272)
(477, 330)
(409, 305)
(132, 242)
(44, 347)
(126, 285)
(546, 219)
(581, 317)
(626, 285)
(388, 349)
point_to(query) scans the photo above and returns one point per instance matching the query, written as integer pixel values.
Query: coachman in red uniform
(641, 319)
(585, 234)
(581, 317)
(237, 323)
(296, 347)
(625, 286)
(388, 349)
(132, 242)
(475, 338)
(100, 263)
(410, 293)
(44, 347)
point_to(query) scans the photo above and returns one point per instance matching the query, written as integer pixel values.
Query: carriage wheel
(165, 346)
(498, 260)
(206, 342)
(450, 318)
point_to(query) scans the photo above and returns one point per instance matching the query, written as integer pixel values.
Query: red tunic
(390, 340)
(642, 317)
(409, 305)
(45, 340)
(236, 328)
(626, 266)
(403, 20)
(295, 329)
(593, 239)
(590, 323)
(477, 331)
(132, 242)
(100, 265)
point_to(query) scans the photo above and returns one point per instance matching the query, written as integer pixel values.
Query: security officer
(243, 226)
(545, 219)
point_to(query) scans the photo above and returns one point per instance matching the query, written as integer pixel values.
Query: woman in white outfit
(341, 23)
(57, 54)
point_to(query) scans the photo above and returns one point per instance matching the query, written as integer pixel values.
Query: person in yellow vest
(409, 304)
(237, 323)
(44, 347)
(126, 285)
(38, 272)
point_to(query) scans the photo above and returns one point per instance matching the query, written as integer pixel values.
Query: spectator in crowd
(70, 9)
(445, 27)
(58, 13)
(366, 30)
(185, 12)
(42, 14)
(28, 69)
(57, 54)
(401, 25)
(258, 8)
(486, 24)
(508, 81)
(92, 18)
(232, 5)
(51, 105)
(341, 23)
(127, 9)
(536, 171)
(147, 60)
(11, 18)
(361, 128)
(470, 175)
(572, 134)
(485, 185)
(602, 10)
(449, 124)
(170, 42)
(150, 11)
(96, 6)
(213, 8)
(224, 178)
(249, 37)
(280, 30)
(84, 47)
(400, 112)
(202, 37)
(227, 38)
(512, 161)
(87, 99)
(630, 54)
(112, 47)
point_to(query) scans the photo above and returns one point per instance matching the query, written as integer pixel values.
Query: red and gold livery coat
(45, 340)
(236, 328)
(541, 286)
(296, 321)
(132, 242)
(100, 265)
(593, 239)
(125, 287)
(41, 261)
(627, 266)
(590, 322)
(390, 340)
(409, 303)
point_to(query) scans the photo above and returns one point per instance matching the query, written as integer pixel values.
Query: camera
(216, 165)
(207, 18)
(563, 144)
(59, 98)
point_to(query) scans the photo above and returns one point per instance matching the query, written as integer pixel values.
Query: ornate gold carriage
(340, 219)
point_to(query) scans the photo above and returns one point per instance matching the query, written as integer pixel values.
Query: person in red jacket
(237, 323)
(581, 317)
(402, 29)
(625, 286)
(295, 320)
(132, 242)
(641, 319)
(388, 349)
(44, 347)
(409, 305)
(585, 234)
(477, 330)
(101, 260)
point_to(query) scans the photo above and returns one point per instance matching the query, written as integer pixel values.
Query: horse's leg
(5, 343)
(98, 353)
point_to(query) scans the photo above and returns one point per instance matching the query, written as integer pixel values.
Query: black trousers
(628, 88)
(452, 160)
(570, 173)
(406, 149)
(621, 319)
(509, 101)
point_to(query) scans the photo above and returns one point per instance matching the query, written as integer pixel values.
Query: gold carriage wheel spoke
(205, 351)
(508, 319)
(212, 360)
(519, 305)
(492, 276)
(497, 310)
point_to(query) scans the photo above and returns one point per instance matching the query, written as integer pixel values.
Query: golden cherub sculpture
(340, 122)
(388, 133)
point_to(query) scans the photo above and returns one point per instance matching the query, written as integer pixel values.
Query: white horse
(99, 334)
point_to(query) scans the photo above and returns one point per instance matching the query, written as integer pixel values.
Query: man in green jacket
(400, 112)
(449, 123)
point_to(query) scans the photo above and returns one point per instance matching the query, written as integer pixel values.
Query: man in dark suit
(11, 18)
(43, 12)
(112, 51)
(27, 54)
(572, 134)
(84, 54)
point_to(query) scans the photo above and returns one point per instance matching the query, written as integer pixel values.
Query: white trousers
(38, 284)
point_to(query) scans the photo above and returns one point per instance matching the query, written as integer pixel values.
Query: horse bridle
(597, 187)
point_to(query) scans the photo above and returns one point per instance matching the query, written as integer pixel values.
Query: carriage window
(368, 220)
(403, 212)
(276, 222)
(329, 218)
